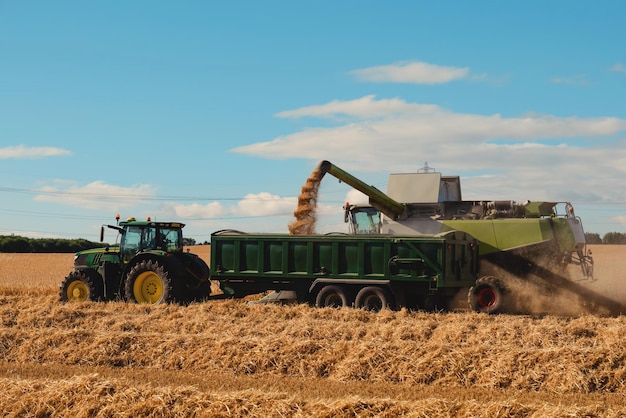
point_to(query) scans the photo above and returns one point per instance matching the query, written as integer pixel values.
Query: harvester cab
(362, 219)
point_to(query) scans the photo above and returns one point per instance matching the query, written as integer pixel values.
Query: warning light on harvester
(148, 219)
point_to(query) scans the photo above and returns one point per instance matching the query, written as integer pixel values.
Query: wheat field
(232, 358)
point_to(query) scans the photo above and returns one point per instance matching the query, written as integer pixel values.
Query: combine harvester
(526, 250)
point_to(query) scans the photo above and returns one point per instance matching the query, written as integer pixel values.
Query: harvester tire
(148, 282)
(373, 298)
(331, 297)
(79, 286)
(487, 296)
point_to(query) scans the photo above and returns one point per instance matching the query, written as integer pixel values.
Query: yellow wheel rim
(148, 288)
(77, 292)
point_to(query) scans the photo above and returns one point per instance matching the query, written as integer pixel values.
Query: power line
(49, 214)
(125, 196)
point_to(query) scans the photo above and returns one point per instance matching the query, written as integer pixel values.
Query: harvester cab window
(130, 243)
(364, 220)
(368, 222)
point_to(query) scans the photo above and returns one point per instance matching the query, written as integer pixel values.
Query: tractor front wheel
(78, 286)
(148, 282)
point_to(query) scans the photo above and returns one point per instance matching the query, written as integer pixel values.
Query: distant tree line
(18, 244)
(610, 238)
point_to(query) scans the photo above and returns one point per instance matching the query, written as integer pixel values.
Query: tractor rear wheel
(373, 298)
(78, 286)
(487, 296)
(148, 282)
(199, 287)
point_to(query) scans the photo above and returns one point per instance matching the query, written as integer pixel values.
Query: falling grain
(306, 212)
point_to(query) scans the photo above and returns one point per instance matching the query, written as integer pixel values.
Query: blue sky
(215, 114)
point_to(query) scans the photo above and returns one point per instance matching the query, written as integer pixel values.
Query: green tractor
(148, 266)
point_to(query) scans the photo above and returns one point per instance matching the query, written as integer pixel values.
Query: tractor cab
(140, 236)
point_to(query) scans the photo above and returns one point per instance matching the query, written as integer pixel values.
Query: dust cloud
(305, 213)
(565, 291)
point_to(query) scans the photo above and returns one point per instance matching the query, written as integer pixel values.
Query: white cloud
(618, 67)
(21, 152)
(411, 72)
(356, 197)
(276, 212)
(96, 195)
(403, 132)
(621, 220)
(265, 204)
(364, 107)
(196, 210)
(537, 156)
(252, 205)
(577, 80)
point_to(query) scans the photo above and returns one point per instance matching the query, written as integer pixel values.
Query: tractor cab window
(130, 242)
(148, 240)
(171, 239)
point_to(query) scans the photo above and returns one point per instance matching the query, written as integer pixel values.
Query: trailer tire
(148, 282)
(79, 286)
(331, 297)
(487, 296)
(373, 298)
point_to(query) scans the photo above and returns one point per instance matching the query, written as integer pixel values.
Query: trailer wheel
(78, 286)
(148, 282)
(486, 296)
(373, 298)
(331, 297)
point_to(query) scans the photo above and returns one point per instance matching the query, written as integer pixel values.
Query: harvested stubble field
(230, 358)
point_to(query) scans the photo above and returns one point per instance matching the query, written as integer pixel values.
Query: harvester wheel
(373, 298)
(148, 282)
(331, 297)
(487, 296)
(78, 286)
